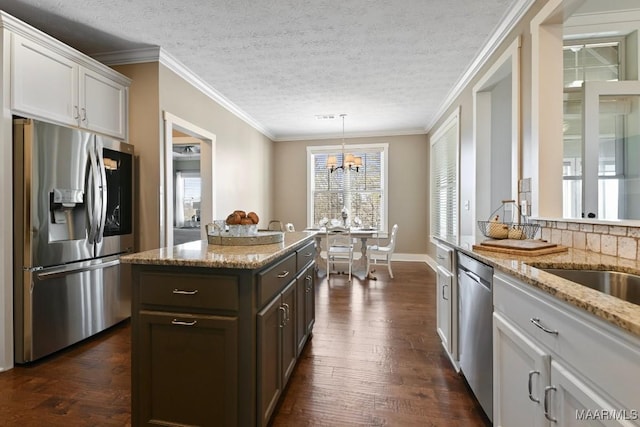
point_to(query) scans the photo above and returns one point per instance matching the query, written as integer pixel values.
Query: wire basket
(508, 230)
(497, 229)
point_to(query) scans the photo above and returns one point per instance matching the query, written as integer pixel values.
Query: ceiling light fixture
(349, 161)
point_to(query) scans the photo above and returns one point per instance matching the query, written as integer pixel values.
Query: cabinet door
(44, 84)
(310, 299)
(188, 372)
(301, 327)
(305, 304)
(443, 307)
(270, 320)
(520, 374)
(289, 342)
(103, 104)
(571, 402)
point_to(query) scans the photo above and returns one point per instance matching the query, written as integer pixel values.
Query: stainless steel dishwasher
(475, 345)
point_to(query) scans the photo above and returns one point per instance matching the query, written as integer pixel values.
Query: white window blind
(444, 180)
(361, 193)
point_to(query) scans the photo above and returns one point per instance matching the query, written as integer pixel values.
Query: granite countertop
(614, 310)
(201, 254)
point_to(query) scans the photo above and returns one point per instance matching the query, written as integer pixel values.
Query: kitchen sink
(621, 285)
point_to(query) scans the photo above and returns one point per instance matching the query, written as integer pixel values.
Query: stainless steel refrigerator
(73, 197)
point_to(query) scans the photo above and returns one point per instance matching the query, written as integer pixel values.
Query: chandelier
(349, 161)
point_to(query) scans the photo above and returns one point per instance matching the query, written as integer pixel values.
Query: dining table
(362, 234)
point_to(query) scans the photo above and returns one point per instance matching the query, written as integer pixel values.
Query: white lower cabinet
(554, 364)
(570, 402)
(520, 374)
(443, 306)
(447, 302)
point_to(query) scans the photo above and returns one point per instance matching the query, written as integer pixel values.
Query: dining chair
(382, 254)
(339, 248)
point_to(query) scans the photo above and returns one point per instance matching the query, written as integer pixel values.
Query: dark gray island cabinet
(217, 330)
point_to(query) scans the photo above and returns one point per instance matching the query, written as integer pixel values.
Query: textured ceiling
(387, 64)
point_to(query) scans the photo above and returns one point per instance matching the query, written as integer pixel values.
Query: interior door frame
(592, 91)
(207, 161)
(505, 67)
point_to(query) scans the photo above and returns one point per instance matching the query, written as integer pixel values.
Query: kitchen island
(217, 330)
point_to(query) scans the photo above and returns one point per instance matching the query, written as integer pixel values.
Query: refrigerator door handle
(103, 194)
(67, 269)
(94, 191)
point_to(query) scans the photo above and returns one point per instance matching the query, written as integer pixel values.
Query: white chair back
(392, 239)
(339, 248)
(382, 254)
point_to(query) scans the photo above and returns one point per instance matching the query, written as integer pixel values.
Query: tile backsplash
(615, 240)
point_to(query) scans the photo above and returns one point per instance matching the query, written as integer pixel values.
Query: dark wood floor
(374, 360)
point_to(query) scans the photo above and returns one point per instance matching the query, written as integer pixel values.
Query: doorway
(188, 195)
(187, 183)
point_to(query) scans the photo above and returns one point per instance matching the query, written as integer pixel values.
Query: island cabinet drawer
(274, 278)
(305, 255)
(209, 292)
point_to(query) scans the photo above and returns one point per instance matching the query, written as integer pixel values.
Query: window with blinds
(444, 180)
(362, 194)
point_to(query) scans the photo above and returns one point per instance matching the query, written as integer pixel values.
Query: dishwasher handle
(473, 276)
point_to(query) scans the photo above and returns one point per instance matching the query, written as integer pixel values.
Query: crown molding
(157, 54)
(506, 25)
(323, 136)
(131, 56)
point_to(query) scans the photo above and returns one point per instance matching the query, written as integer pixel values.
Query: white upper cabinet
(102, 103)
(51, 84)
(43, 82)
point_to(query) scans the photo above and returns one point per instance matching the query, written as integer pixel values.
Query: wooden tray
(262, 238)
(528, 244)
(520, 247)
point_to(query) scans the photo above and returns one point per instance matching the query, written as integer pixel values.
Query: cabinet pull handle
(283, 319)
(181, 292)
(443, 295)
(308, 287)
(308, 254)
(84, 114)
(530, 386)
(287, 311)
(440, 257)
(548, 416)
(536, 321)
(283, 274)
(76, 113)
(183, 323)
